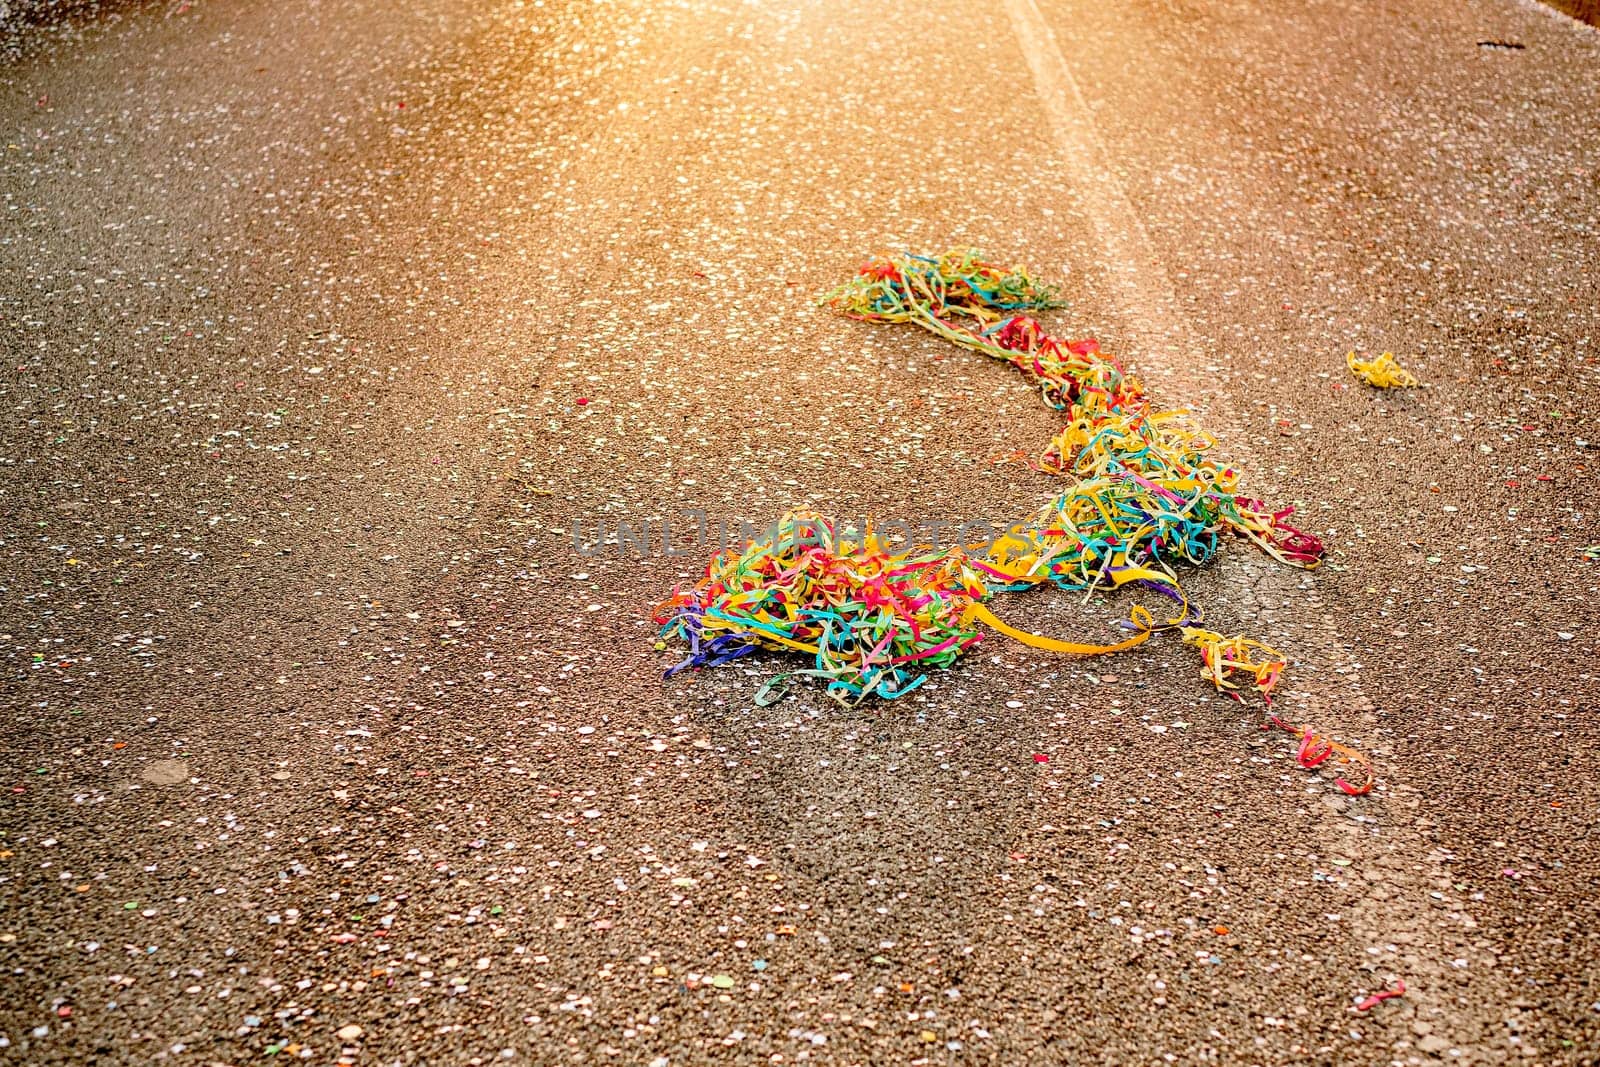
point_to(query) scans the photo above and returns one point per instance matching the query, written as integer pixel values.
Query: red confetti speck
(1040, 757)
(583, 401)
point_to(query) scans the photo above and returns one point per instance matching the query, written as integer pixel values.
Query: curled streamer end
(1316, 749)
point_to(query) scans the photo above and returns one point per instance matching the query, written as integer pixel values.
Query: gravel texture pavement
(327, 325)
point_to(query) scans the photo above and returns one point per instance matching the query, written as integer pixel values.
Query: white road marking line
(1129, 255)
(1145, 298)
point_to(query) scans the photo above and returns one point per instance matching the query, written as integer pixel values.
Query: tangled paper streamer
(1223, 657)
(1145, 498)
(1383, 372)
(981, 306)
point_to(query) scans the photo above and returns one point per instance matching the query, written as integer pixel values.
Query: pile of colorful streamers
(981, 306)
(1145, 498)
(1146, 492)
(1382, 372)
(870, 619)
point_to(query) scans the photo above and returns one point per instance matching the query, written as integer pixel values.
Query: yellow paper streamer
(1382, 372)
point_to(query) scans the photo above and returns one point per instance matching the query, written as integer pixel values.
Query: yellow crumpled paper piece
(1381, 371)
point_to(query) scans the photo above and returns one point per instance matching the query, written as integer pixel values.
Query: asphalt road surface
(326, 325)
